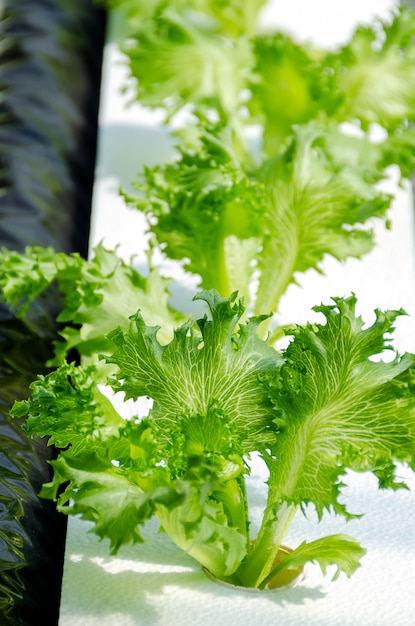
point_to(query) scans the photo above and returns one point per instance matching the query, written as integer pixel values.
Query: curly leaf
(340, 408)
(98, 294)
(342, 551)
(99, 492)
(220, 366)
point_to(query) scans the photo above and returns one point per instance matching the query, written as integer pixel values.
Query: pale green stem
(234, 499)
(259, 563)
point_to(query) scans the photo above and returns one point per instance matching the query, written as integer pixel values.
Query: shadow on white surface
(157, 584)
(132, 586)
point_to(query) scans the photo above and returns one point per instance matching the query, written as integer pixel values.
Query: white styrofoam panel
(157, 584)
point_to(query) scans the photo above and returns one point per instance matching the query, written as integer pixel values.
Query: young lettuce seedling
(220, 390)
(254, 216)
(315, 198)
(313, 411)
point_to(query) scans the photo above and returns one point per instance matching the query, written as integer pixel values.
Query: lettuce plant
(247, 218)
(220, 393)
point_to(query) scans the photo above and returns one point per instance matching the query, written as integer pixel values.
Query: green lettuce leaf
(291, 86)
(284, 83)
(217, 367)
(342, 551)
(176, 60)
(97, 295)
(205, 211)
(24, 277)
(119, 474)
(107, 291)
(67, 406)
(319, 197)
(375, 72)
(340, 408)
(230, 18)
(230, 223)
(337, 407)
(99, 492)
(184, 463)
(369, 80)
(325, 405)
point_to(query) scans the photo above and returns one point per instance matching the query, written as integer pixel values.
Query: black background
(50, 70)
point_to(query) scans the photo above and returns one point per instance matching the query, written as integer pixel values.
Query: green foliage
(159, 59)
(246, 217)
(339, 550)
(96, 295)
(337, 405)
(219, 393)
(218, 370)
(226, 222)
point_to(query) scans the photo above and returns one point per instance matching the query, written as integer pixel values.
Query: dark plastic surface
(50, 67)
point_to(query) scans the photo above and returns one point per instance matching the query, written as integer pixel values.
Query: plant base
(285, 579)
